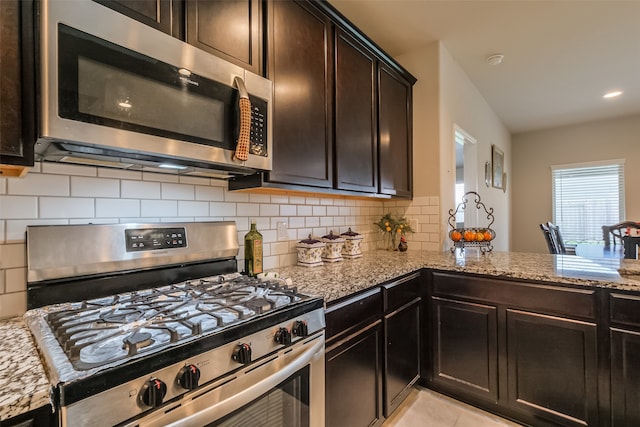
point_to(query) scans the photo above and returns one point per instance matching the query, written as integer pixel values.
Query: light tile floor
(424, 407)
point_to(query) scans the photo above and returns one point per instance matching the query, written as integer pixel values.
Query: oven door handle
(249, 394)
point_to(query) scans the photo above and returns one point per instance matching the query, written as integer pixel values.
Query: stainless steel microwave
(117, 93)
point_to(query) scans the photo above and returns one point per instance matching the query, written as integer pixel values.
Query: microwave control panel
(149, 239)
(258, 131)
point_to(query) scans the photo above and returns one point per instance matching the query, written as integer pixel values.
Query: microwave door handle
(242, 148)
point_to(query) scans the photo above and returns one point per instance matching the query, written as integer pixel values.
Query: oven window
(285, 406)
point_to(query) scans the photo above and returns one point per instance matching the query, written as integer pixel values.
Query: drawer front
(353, 312)
(400, 292)
(548, 299)
(625, 309)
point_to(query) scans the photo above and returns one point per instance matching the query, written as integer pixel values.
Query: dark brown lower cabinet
(625, 378)
(527, 351)
(465, 351)
(552, 371)
(354, 380)
(402, 354)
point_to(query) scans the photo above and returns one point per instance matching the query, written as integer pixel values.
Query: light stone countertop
(25, 386)
(24, 383)
(333, 281)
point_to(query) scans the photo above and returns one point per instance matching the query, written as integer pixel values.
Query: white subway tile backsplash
(16, 228)
(64, 194)
(139, 190)
(177, 191)
(311, 221)
(12, 305)
(259, 198)
(269, 210)
(16, 279)
(160, 177)
(319, 211)
(214, 194)
(191, 208)
(68, 169)
(162, 208)
(296, 222)
(34, 184)
(288, 210)
(248, 209)
(13, 255)
(279, 199)
(305, 210)
(222, 209)
(326, 221)
(117, 208)
(94, 187)
(231, 196)
(194, 180)
(66, 207)
(18, 207)
(296, 200)
(119, 174)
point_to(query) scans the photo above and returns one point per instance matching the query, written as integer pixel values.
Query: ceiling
(560, 56)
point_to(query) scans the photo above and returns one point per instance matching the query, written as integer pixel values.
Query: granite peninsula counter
(25, 386)
(340, 279)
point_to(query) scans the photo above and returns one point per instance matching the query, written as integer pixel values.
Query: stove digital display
(149, 239)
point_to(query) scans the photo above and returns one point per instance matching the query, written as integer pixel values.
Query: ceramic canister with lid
(352, 244)
(310, 252)
(333, 248)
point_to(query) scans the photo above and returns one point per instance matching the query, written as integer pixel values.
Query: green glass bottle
(253, 251)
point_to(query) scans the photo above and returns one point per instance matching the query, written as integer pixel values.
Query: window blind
(586, 197)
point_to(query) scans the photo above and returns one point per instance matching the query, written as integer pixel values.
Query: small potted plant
(394, 228)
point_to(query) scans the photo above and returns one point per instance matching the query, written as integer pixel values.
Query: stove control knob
(189, 376)
(300, 328)
(153, 392)
(242, 354)
(283, 336)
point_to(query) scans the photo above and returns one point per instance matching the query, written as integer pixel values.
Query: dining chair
(552, 245)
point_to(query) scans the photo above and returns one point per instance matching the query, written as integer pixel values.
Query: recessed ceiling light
(612, 94)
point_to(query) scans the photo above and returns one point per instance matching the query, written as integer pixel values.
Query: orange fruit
(456, 235)
(469, 235)
(487, 235)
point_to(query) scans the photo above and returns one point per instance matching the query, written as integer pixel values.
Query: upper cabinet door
(355, 113)
(159, 14)
(17, 86)
(395, 133)
(300, 57)
(230, 29)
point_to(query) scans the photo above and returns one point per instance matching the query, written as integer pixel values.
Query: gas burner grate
(106, 330)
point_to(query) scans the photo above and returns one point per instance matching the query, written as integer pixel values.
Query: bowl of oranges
(467, 237)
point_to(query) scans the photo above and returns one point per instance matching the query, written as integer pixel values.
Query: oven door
(285, 389)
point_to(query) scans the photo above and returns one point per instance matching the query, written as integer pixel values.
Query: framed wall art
(497, 166)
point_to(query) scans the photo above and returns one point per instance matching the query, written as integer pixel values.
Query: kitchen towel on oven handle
(242, 148)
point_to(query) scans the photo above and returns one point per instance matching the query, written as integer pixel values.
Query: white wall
(461, 104)
(535, 152)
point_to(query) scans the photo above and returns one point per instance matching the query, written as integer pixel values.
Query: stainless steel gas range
(152, 325)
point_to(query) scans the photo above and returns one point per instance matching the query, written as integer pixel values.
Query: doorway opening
(466, 175)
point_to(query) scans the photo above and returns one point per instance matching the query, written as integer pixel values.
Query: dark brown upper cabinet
(395, 133)
(230, 29)
(163, 15)
(300, 52)
(17, 87)
(356, 142)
